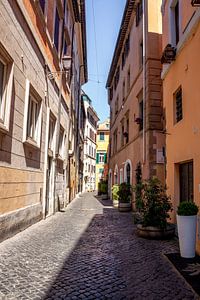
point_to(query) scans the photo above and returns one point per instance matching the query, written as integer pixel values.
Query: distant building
(89, 170)
(181, 95)
(135, 95)
(103, 131)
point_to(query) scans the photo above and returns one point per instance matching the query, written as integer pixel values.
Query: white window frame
(101, 154)
(172, 23)
(61, 146)
(31, 95)
(6, 90)
(51, 137)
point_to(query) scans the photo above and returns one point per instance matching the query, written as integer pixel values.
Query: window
(127, 46)
(51, 132)
(101, 136)
(186, 181)
(116, 105)
(139, 11)
(127, 130)
(110, 91)
(101, 171)
(116, 79)
(123, 91)
(101, 157)
(123, 60)
(174, 23)
(140, 115)
(42, 5)
(128, 174)
(56, 29)
(122, 134)
(141, 54)
(176, 15)
(178, 106)
(115, 142)
(6, 82)
(32, 116)
(128, 80)
(61, 143)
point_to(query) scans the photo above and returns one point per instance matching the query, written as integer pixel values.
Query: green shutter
(105, 157)
(97, 158)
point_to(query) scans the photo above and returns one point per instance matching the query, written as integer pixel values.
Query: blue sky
(107, 15)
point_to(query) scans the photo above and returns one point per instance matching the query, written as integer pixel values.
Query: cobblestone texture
(90, 251)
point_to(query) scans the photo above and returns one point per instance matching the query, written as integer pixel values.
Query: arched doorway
(128, 172)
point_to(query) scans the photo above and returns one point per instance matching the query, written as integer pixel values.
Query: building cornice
(130, 5)
(84, 42)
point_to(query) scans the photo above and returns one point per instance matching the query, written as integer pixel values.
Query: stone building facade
(135, 95)
(180, 75)
(90, 138)
(36, 99)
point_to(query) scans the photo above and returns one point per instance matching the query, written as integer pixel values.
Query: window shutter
(105, 157)
(26, 104)
(97, 159)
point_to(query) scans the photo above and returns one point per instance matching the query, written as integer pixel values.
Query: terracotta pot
(123, 207)
(151, 232)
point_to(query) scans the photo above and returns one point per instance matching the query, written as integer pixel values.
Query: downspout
(57, 134)
(70, 109)
(144, 81)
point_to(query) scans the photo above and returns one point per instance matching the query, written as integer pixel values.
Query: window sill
(3, 127)
(31, 142)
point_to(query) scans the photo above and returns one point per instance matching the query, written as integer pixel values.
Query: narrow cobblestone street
(90, 251)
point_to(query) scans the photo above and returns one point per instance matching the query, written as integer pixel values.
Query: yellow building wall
(101, 146)
(183, 138)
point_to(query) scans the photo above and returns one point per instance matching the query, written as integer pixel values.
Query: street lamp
(67, 60)
(169, 54)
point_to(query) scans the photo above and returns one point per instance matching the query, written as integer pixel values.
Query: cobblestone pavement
(90, 251)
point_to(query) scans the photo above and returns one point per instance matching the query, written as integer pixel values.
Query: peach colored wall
(134, 149)
(186, 12)
(183, 138)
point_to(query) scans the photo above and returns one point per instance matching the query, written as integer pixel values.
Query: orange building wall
(183, 138)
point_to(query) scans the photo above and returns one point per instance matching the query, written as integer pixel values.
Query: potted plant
(154, 211)
(104, 190)
(115, 196)
(124, 194)
(187, 224)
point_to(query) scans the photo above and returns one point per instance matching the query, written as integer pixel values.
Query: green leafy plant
(104, 187)
(124, 193)
(115, 189)
(138, 187)
(187, 208)
(155, 204)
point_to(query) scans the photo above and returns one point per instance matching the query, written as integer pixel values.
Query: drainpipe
(144, 81)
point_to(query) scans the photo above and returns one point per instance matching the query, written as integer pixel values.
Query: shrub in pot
(154, 207)
(104, 190)
(124, 194)
(187, 223)
(115, 196)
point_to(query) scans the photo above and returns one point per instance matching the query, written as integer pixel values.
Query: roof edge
(120, 39)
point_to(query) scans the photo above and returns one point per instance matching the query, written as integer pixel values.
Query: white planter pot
(187, 235)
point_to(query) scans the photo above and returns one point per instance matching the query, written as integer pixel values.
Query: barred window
(179, 108)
